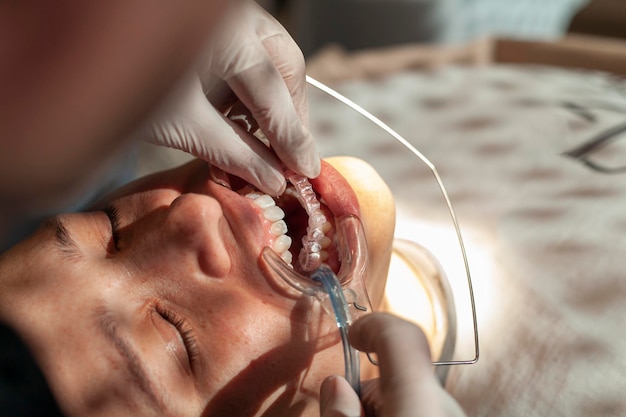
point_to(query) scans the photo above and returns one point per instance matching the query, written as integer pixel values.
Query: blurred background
(358, 24)
(495, 93)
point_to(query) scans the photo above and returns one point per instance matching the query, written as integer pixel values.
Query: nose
(194, 231)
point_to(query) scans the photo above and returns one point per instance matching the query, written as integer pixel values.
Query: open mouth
(302, 221)
(312, 225)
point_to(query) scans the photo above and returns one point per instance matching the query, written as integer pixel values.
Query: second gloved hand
(252, 68)
(407, 386)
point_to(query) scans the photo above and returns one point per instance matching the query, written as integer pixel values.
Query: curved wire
(322, 87)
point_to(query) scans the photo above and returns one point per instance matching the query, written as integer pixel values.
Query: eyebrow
(62, 236)
(131, 357)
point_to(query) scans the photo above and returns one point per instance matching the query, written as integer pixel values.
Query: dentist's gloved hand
(407, 386)
(252, 68)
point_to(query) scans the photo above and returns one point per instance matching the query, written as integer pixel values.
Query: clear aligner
(309, 257)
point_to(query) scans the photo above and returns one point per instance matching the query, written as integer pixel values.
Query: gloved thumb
(338, 399)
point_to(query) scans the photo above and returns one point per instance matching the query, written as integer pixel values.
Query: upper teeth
(314, 242)
(273, 213)
(278, 227)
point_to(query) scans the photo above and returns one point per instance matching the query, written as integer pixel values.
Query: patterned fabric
(544, 229)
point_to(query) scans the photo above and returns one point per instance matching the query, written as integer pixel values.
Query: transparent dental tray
(428, 254)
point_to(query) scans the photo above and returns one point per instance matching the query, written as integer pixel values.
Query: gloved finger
(289, 61)
(408, 386)
(338, 399)
(263, 92)
(251, 161)
(255, 74)
(238, 56)
(243, 155)
(192, 125)
(252, 22)
(373, 403)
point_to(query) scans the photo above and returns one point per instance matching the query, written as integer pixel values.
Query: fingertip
(327, 391)
(312, 168)
(338, 399)
(363, 324)
(268, 178)
(308, 158)
(376, 332)
(282, 188)
(274, 184)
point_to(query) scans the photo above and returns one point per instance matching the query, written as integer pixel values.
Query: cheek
(191, 235)
(263, 346)
(239, 329)
(265, 357)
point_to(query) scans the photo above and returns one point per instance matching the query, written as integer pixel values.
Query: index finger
(289, 61)
(263, 91)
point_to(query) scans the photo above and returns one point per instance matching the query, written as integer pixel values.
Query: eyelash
(186, 332)
(114, 217)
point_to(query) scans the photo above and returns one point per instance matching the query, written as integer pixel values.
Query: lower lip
(337, 194)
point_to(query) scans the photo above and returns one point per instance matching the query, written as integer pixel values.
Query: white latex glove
(407, 386)
(253, 67)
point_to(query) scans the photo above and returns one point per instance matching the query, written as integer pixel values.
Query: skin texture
(184, 262)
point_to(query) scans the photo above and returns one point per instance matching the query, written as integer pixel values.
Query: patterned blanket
(534, 162)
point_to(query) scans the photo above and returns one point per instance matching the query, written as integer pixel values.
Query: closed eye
(114, 217)
(185, 331)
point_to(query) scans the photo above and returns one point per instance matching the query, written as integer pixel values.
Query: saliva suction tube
(341, 309)
(337, 293)
(342, 295)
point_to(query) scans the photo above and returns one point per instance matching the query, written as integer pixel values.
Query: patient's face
(161, 304)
